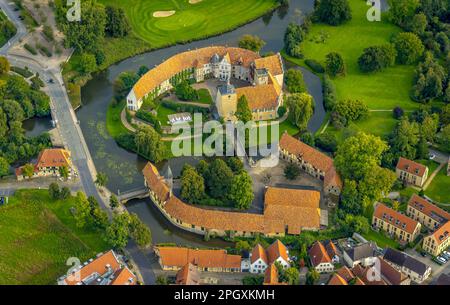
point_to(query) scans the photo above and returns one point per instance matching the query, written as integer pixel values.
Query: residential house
(413, 268)
(261, 259)
(395, 223)
(271, 276)
(174, 258)
(364, 254)
(426, 213)
(332, 251)
(411, 172)
(348, 276)
(106, 269)
(337, 280)
(49, 163)
(320, 259)
(437, 241)
(314, 162)
(188, 275)
(391, 275)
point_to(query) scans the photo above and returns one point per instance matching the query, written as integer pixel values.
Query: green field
(38, 236)
(381, 90)
(438, 190)
(381, 240)
(204, 96)
(190, 21)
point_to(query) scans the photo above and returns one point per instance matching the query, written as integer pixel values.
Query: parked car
(439, 260)
(446, 256)
(432, 156)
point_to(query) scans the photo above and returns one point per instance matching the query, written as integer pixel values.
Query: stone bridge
(137, 193)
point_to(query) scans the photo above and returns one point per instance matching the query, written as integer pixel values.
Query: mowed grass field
(190, 21)
(438, 190)
(37, 237)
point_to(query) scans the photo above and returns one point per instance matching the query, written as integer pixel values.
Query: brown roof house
(396, 224)
(437, 241)
(411, 172)
(106, 269)
(412, 267)
(49, 163)
(271, 276)
(188, 275)
(426, 213)
(261, 259)
(314, 162)
(320, 259)
(175, 258)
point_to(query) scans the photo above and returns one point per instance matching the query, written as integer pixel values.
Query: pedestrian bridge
(137, 193)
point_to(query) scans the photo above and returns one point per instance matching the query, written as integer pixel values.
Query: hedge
(150, 118)
(30, 49)
(315, 65)
(180, 107)
(24, 72)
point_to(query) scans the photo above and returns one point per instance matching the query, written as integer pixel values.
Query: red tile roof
(275, 250)
(318, 254)
(312, 156)
(411, 167)
(271, 275)
(336, 280)
(188, 275)
(442, 233)
(202, 258)
(258, 252)
(53, 157)
(394, 276)
(426, 207)
(345, 273)
(395, 218)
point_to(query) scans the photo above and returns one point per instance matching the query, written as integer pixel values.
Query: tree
(445, 137)
(294, 81)
(397, 112)
(142, 70)
(291, 171)
(192, 185)
(355, 224)
(292, 276)
(281, 111)
(335, 64)
(241, 192)
(242, 245)
(64, 172)
(307, 138)
(82, 213)
(429, 127)
(243, 112)
(395, 205)
(113, 201)
(250, 42)
(218, 179)
(28, 170)
(326, 141)
(53, 191)
(116, 22)
(350, 198)
(148, 144)
(293, 36)
(358, 155)
(64, 193)
(428, 80)
(422, 150)
(118, 232)
(185, 92)
(301, 108)
(123, 84)
(4, 65)
(409, 48)
(139, 232)
(377, 58)
(88, 63)
(349, 110)
(235, 164)
(405, 138)
(312, 277)
(162, 280)
(418, 24)
(4, 167)
(401, 11)
(333, 12)
(101, 179)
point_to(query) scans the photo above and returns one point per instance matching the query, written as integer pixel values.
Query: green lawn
(204, 96)
(113, 122)
(38, 236)
(382, 90)
(162, 113)
(381, 240)
(190, 21)
(432, 165)
(438, 190)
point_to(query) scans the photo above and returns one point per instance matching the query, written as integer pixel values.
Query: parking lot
(436, 269)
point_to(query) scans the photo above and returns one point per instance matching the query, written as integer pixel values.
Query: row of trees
(217, 183)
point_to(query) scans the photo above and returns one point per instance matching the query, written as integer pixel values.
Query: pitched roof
(94, 270)
(188, 275)
(336, 279)
(295, 209)
(189, 59)
(395, 218)
(53, 157)
(361, 251)
(331, 248)
(358, 282)
(258, 252)
(365, 274)
(442, 233)
(275, 250)
(203, 258)
(312, 156)
(271, 275)
(402, 259)
(411, 167)
(273, 63)
(260, 97)
(155, 181)
(429, 209)
(318, 254)
(345, 273)
(392, 275)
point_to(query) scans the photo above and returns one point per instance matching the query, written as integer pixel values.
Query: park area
(38, 236)
(382, 90)
(165, 22)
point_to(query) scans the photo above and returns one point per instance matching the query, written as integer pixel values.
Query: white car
(441, 259)
(432, 156)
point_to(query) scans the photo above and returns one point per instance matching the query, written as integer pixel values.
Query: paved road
(67, 121)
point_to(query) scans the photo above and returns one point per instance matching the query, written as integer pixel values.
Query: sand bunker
(162, 14)
(194, 1)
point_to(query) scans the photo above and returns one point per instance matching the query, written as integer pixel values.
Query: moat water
(124, 168)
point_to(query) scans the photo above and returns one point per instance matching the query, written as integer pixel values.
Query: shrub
(30, 49)
(329, 93)
(326, 141)
(48, 32)
(333, 12)
(397, 112)
(150, 118)
(409, 48)
(24, 72)
(281, 111)
(44, 50)
(315, 65)
(376, 58)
